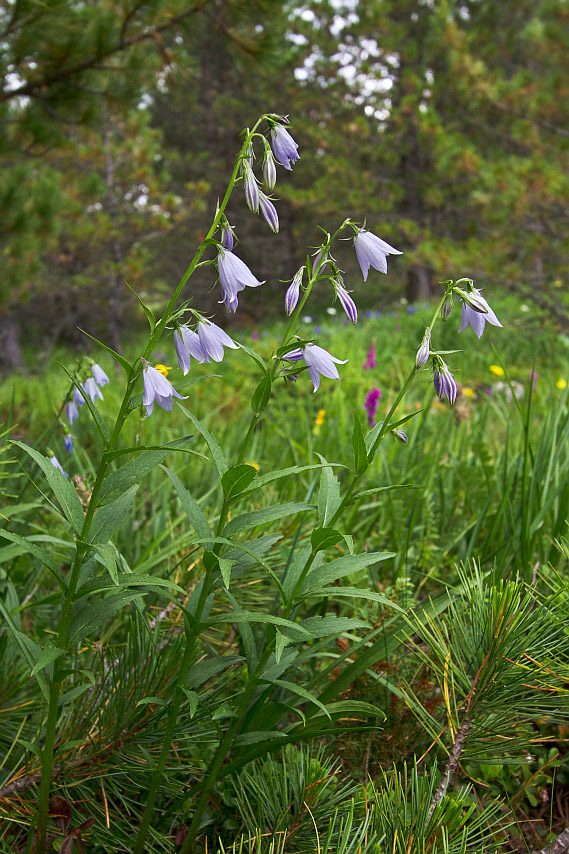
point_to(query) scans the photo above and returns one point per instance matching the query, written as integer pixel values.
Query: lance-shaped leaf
(328, 494)
(236, 479)
(263, 517)
(63, 490)
(109, 518)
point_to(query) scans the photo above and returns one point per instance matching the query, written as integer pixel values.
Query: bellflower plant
(78, 398)
(99, 375)
(234, 276)
(476, 312)
(372, 251)
(212, 340)
(187, 344)
(220, 542)
(424, 349)
(284, 147)
(55, 462)
(319, 362)
(157, 389)
(92, 389)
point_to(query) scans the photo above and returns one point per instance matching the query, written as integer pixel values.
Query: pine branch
(558, 846)
(452, 764)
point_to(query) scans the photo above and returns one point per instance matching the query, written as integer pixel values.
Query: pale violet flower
(269, 211)
(284, 147)
(99, 375)
(187, 344)
(68, 442)
(234, 276)
(424, 349)
(212, 340)
(269, 168)
(346, 301)
(227, 237)
(92, 389)
(319, 362)
(78, 397)
(55, 462)
(293, 291)
(71, 411)
(477, 318)
(444, 383)
(157, 389)
(372, 251)
(250, 186)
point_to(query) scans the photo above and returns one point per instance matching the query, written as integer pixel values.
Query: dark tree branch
(31, 88)
(452, 764)
(558, 846)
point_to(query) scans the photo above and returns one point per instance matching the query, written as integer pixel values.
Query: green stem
(83, 547)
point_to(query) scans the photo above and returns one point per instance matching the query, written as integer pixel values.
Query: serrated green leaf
(263, 517)
(216, 452)
(63, 490)
(155, 701)
(262, 394)
(236, 479)
(328, 494)
(148, 312)
(35, 550)
(329, 572)
(225, 569)
(129, 579)
(255, 356)
(359, 447)
(127, 475)
(126, 366)
(324, 538)
(270, 477)
(352, 593)
(49, 654)
(193, 700)
(204, 670)
(320, 627)
(109, 518)
(193, 511)
(109, 557)
(239, 616)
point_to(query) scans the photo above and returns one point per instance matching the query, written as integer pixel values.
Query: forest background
(445, 122)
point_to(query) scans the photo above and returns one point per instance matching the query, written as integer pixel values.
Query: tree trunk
(10, 350)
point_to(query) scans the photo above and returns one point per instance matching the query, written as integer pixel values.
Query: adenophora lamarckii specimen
(157, 389)
(318, 361)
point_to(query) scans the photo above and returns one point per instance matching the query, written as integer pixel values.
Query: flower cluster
(371, 403)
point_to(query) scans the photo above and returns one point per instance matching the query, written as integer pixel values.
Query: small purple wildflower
(55, 462)
(370, 361)
(424, 349)
(71, 411)
(92, 389)
(401, 435)
(213, 340)
(284, 147)
(478, 316)
(293, 291)
(250, 186)
(227, 237)
(157, 389)
(319, 362)
(346, 301)
(372, 251)
(371, 403)
(234, 276)
(99, 375)
(78, 397)
(187, 344)
(68, 442)
(444, 383)
(269, 211)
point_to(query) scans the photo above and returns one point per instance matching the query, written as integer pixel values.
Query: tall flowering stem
(83, 544)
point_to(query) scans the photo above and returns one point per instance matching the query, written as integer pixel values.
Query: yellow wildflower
(497, 370)
(320, 418)
(468, 392)
(254, 465)
(164, 369)
(561, 383)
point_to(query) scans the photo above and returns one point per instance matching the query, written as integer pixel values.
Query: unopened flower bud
(269, 168)
(251, 187)
(293, 292)
(473, 299)
(446, 308)
(401, 435)
(424, 349)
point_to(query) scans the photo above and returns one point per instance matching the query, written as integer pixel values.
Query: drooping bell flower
(318, 361)
(187, 344)
(476, 312)
(293, 291)
(372, 251)
(157, 389)
(99, 375)
(284, 147)
(234, 276)
(444, 383)
(71, 411)
(92, 389)
(55, 462)
(212, 340)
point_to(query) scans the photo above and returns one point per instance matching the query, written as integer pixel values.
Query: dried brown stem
(452, 763)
